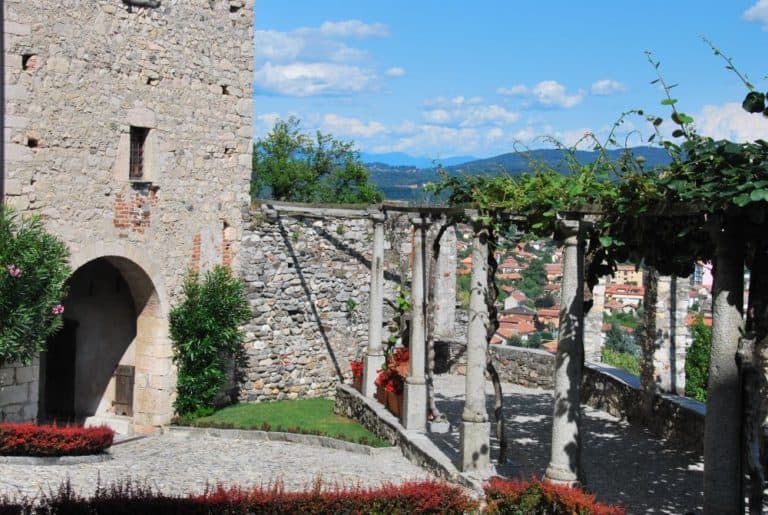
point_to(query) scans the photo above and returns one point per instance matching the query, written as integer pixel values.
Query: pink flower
(58, 309)
(13, 271)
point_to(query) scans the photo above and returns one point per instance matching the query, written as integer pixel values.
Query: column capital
(378, 218)
(420, 221)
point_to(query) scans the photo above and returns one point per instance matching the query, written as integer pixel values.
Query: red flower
(357, 369)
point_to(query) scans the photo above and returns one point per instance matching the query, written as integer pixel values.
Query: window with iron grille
(138, 140)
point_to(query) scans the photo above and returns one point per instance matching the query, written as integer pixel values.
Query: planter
(381, 395)
(395, 403)
(357, 383)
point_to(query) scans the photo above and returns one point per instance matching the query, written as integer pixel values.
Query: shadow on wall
(308, 296)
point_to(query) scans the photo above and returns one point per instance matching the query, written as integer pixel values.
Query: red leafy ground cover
(537, 497)
(130, 498)
(34, 440)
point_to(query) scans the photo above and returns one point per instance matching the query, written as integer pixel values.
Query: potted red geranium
(390, 380)
(357, 374)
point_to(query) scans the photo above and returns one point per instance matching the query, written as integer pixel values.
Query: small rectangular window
(138, 140)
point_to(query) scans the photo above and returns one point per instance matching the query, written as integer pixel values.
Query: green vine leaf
(758, 195)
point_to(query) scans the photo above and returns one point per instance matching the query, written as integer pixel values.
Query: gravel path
(623, 464)
(177, 464)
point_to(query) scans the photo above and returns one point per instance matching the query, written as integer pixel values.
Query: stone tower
(128, 128)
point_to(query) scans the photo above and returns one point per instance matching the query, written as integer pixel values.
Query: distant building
(627, 274)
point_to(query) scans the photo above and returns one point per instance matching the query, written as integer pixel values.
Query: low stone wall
(19, 392)
(416, 446)
(676, 418)
(532, 368)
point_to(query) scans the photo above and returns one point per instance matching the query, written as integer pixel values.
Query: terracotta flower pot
(357, 383)
(395, 403)
(381, 395)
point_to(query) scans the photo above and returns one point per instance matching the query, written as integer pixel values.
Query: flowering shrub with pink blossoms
(33, 272)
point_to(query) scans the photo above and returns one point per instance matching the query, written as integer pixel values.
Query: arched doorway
(111, 363)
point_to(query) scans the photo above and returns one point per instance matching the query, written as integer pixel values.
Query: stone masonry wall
(78, 75)
(19, 391)
(308, 282)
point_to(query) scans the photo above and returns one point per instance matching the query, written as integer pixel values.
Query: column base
(475, 446)
(561, 475)
(371, 364)
(415, 406)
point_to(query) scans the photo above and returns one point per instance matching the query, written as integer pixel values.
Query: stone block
(17, 29)
(14, 394)
(7, 376)
(26, 374)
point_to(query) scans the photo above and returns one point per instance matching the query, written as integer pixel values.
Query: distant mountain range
(403, 159)
(405, 181)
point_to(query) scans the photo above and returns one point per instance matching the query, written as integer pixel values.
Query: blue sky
(439, 78)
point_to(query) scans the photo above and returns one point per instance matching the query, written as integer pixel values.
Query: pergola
(566, 446)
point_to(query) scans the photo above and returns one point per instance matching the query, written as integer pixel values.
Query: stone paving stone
(179, 465)
(623, 464)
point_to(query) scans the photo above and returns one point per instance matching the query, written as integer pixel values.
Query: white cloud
(307, 79)
(493, 134)
(483, 115)
(758, 13)
(315, 60)
(516, 90)
(351, 127)
(395, 71)
(353, 29)
(439, 116)
(432, 140)
(730, 121)
(606, 87)
(467, 112)
(552, 93)
(272, 45)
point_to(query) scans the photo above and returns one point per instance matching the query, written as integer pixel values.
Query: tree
(291, 165)
(697, 360)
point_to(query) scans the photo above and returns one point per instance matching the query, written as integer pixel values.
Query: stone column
(672, 328)
(375, 354)
(445, 287)
(593, 324)
(415, 398)
(475, 429)
(565, 461)
(722, 424)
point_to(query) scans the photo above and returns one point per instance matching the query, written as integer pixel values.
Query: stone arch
(121, 333)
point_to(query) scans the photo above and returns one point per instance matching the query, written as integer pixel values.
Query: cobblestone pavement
(623, 464)
(177, 464)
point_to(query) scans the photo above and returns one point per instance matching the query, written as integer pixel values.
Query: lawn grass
(308, 416)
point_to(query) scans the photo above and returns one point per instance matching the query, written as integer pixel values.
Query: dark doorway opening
(57, 365)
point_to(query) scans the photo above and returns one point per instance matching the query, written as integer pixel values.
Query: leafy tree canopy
(291, 165)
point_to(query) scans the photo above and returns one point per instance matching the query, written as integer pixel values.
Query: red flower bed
(34, 440)
(127, 498)
(505, 496)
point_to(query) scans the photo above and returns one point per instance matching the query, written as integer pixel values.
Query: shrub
(622, 360)
(34, 440)
(129, 498)
(33, 270)
(697, 361)
(523, 497)
(205, 329)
